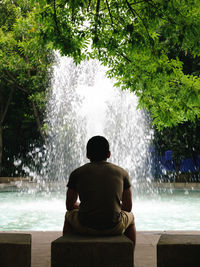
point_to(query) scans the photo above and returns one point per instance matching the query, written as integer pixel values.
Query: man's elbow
(69, 206)
(127, 207)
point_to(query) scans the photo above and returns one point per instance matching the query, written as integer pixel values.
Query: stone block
(15, 250)
(91, 251)
(178, 251)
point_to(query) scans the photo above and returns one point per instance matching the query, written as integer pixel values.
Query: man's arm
(127, 200)
(71, 199)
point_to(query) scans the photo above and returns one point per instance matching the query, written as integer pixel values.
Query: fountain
(83, 103)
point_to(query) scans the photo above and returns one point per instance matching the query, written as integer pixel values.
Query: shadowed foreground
(145, 253)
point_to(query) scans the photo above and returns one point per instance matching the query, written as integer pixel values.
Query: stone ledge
(90, 251)
(14, 179)
(187, 186)
(178, 251)
(15, 250)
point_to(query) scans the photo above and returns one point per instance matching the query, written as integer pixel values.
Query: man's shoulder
(96, 165)
(118, 168)
(80, 169)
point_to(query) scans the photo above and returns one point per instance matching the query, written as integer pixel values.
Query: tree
(24, 65)
(183, 140)
(146, 45)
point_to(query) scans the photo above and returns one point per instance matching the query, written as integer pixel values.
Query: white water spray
(84, 103)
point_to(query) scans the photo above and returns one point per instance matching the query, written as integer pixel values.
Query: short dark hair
(97, 148)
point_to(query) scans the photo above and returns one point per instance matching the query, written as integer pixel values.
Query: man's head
(98, 148)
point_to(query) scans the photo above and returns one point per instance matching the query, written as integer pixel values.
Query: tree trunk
(3, 112)
(1, 130)
(35, 111)
(177, 166)
(195, 160)
(38, 122)
(1, 147)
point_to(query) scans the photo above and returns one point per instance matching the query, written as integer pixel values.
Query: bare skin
(131, 234)
(71, 203)
(127, 206)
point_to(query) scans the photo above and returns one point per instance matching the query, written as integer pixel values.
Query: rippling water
(83, 103)
(169, 210)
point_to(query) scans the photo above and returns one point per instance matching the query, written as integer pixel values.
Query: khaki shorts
(127, 219)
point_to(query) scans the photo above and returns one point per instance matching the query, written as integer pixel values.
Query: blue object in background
(168, 155)
(187, 165)
(166, 163)
(198, 162)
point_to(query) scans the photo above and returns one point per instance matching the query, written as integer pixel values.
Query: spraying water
(84, 103)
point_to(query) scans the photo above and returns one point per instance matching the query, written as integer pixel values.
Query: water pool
(167, 210)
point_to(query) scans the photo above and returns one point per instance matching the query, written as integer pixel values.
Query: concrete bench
(15, 250)
(89, 251)
(178, 251)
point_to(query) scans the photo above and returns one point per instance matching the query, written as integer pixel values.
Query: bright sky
(94, 105)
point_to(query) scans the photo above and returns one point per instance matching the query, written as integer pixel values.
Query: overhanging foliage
(145, 44)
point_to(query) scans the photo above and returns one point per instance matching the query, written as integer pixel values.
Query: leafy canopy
(25, 60)
(151, 47)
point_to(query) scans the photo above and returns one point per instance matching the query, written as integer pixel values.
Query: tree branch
(97, 12)
(14, 82)
(7, 105)
(135, 3)
(88, 5)
(125, 57)
(111, 18)
(55, 17)
(35, 111)
(98, 7)
(97, 15)
(136, 14)
(131, 9)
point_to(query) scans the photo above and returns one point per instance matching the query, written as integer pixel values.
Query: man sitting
(104, 190)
